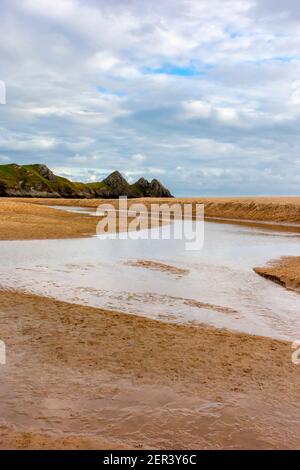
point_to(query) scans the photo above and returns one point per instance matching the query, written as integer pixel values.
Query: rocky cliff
(39, 181)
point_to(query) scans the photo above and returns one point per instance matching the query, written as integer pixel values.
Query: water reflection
(219, 289)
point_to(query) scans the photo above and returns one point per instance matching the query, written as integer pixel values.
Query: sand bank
(157, 266)
(263, 208)
(284, 271)
(79, 377)
(26, 221)
(26, 218)
(34, 221)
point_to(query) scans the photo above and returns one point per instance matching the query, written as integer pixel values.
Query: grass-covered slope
(38, 181)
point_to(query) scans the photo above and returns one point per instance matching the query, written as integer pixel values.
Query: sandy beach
(138, 382)
(256, 208)
(30, 218)
(83, 377)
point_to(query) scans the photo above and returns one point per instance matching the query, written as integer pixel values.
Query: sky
(201, 94)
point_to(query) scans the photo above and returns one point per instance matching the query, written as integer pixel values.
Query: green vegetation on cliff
(38, 181)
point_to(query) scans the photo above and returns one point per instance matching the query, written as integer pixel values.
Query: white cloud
(228, 116)
(197, 109)
(11, 141)
(50, 8)
(295, 98)
(138, 157)
(103, 61)
(191, 89)
(203, 110)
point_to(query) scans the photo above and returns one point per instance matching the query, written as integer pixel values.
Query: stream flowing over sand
(101, 371)
(215, 285)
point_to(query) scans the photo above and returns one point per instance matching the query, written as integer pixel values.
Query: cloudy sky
(202, 94)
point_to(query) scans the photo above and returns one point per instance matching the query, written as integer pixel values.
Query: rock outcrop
(39, 181)
(153, 188)
(45, 172)
(117, 184)
(158, 190)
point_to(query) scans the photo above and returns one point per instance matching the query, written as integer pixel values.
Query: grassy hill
(38, 181)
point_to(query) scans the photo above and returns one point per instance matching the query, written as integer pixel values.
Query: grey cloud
(287, 9)
(92, 83)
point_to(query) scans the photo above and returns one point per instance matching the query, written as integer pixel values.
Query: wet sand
(157, 266)
(284, 271)
(79, 377)
(12, 439)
